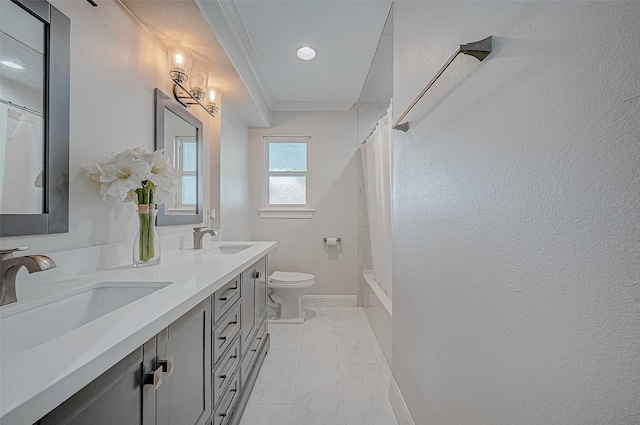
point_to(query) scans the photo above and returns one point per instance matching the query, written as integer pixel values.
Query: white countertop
(36, 380)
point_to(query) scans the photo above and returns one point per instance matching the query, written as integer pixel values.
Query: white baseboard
(328, 301)
(399, 406)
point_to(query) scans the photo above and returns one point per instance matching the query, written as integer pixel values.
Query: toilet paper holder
(337, 239)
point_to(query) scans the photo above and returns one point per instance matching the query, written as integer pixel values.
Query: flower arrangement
(144, 178)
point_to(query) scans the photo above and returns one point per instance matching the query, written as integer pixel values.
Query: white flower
(163, 175)
(93, 172)
(121, 174)
(124, 173)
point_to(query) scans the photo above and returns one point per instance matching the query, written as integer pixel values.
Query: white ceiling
(344, 33)
(248, 47)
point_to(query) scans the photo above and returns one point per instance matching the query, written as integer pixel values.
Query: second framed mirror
(179, 134)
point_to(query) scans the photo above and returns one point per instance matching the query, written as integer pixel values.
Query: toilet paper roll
(332, 242)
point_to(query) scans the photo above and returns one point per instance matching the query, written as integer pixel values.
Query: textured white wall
(517, 233)
(333, 195)
(115, 66)
(235, 198)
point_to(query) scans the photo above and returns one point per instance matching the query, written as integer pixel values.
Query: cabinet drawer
(223, 413)
(226, 330)
(225, 370)
(251, 355)
(225, 297)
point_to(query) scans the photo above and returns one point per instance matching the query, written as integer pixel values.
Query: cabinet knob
(257, 275)
(154, 378)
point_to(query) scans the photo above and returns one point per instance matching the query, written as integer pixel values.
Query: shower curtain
(21, 162)
(376, 155)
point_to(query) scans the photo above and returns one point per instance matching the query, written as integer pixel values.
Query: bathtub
(378, 307)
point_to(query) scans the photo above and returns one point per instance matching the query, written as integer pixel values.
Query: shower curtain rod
(479, 50)
(24, 108)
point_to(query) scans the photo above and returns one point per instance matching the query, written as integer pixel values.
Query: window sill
(286, 212)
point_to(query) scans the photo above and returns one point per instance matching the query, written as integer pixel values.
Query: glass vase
(146, 246)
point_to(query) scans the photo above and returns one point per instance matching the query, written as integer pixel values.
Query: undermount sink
(47, 319)
(232, 249)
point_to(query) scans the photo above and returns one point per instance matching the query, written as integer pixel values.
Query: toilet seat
(289, 278)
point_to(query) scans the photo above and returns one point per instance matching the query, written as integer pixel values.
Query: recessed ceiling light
(12, 65)
(306, 53)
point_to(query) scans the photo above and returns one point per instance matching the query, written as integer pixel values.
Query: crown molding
(239, 31)
(225, 22)
(311, 106)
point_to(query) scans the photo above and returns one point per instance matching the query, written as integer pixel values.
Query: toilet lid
(291, 277)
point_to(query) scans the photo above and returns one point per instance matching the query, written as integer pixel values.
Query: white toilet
(286, 288)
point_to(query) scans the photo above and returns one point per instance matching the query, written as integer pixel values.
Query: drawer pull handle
(228, 294)
(230, 404)
(167, 365)
(230, 368)
(154, 378)
(225, 335)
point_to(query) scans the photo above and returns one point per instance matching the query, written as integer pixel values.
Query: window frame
(178, 147)
(269, 210)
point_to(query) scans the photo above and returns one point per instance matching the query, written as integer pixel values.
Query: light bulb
(179, 63)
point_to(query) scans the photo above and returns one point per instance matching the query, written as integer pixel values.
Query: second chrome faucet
(198, 234)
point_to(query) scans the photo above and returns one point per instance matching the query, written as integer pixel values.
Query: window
(286, 180)
(186, 161)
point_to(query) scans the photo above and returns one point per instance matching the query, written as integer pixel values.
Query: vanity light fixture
(306, 53)
(180, 59)
(214, 95)
(199, 84)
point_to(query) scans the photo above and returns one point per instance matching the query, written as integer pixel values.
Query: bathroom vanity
(187, 353)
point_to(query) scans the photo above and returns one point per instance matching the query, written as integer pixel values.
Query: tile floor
(328, 371)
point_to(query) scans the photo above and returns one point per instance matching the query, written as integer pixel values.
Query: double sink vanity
(178, 343)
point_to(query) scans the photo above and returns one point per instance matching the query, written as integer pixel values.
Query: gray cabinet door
(261, 289)
(248, 307)
(185, 395)
(115, 397)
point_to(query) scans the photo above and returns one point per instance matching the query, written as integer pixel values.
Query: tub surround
(36, 380)
(378, 308)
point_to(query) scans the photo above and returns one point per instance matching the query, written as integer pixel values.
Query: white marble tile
(347, 318)
(364, 407)
(386, 372)
(354, 346)
(286, 337)
(276, 380)
(382, 360)
(318, 403)
(365, 392)
(318, 360)
(364, 375)
(319, 323)
(267, 414)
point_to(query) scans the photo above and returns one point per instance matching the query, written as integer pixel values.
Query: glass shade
(214, 96)
(199, 81)
(180, 59)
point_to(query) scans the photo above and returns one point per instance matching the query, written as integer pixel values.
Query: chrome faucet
(9, 267)
(198, 234)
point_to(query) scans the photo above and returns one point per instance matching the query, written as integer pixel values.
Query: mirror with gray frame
(34, 118)
(179, 135)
